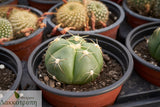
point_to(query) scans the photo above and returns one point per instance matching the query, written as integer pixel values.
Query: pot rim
(45, 2)
(129, 40)
(125, 7)
(6, 2)
(115, 24)
(82, 94)
(19, 68)
(20, 40)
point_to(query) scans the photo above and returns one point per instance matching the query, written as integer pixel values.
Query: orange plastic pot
(43, 5)
(14, 2)
(110, 31)
(135, 19)
(24, 46)
(96, 98)
(146, 70)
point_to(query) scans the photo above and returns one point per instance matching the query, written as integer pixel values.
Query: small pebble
(2, 66)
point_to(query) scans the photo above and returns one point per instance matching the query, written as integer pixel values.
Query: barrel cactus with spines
(21, 19)
(154, 44)
(100, 11)
(6, 30)
(73, 60)
(72, 14)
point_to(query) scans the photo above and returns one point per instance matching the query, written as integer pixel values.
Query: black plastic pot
(135, 19)
(11, 61)
(8, 2)
(55, 96)
(146, 70)
(43, 5)
(110, 31)
(19, 46)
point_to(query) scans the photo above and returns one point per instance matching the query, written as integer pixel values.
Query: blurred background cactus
(145, 7)
(6, 30)
(81, 63)
(154, 44)
(72, 14)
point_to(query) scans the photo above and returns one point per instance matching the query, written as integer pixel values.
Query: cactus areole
(73, 60)
(154, 44)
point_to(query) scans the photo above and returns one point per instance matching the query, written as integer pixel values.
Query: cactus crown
(6, 30)
(22, 19)
(81, 63)
(78, 14)
(72, 14)
(154, 44)
(145, 7)
(100, 11)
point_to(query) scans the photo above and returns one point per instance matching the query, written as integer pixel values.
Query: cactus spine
(154, 44)
(6, 30)
(145, 7)
(22, 19)
(100, 11)
(72, 14)
(81, 63)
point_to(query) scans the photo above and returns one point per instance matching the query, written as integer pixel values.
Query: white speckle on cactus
(57, 39)
(85, 52)
(91, 72)
(2, 66)
(57, 61)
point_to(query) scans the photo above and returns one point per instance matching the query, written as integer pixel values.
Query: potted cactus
(7, 2)
(143, 43)
(43, 5)
(139, 12)
(81, 65)
(22, 29)
(105, 19)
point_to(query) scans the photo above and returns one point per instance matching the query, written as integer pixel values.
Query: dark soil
(7, 78)
(111, 72)
(1, 1)
(141, 49)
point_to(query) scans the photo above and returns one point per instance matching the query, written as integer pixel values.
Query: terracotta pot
(9, 2)
(100, 97)
(43, 5)
(110, 31)
(135, 19)
(146, 70)
(24, 46)
(10, 60)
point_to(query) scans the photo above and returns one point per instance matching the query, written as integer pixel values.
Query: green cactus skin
(154, 44)
(6, 30)
(100, 11)
(72, 14)
(73, 60)
(21, 19)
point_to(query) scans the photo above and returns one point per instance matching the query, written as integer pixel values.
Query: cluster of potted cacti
(80, 57)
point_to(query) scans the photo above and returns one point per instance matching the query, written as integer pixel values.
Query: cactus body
(21, 19)
(100, 11)
(6, 30)
(72, 14)
(154, 44)
(73, 60)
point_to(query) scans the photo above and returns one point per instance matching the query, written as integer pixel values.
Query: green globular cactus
(6, 30)
(72, 14)
(22, 19)
(100, 11)
(73, 60)
(154, 44)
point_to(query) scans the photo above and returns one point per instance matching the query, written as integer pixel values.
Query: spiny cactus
(145, 7)
(154, 44)
(22, 19)
(72, 14)
(73, 60)
(100, 11)
(6, 30)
